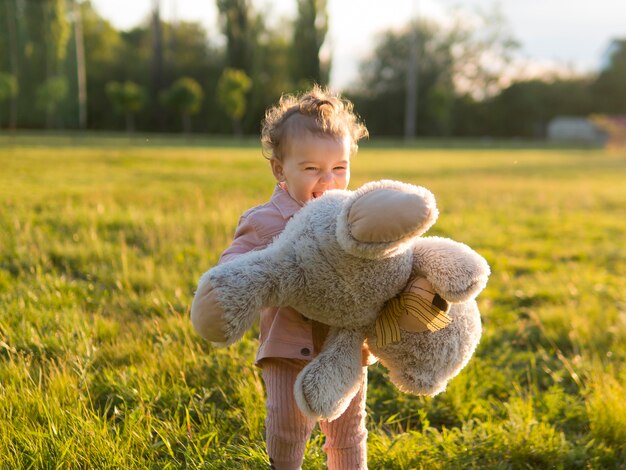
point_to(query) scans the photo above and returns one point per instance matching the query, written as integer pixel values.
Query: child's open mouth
(317, 194)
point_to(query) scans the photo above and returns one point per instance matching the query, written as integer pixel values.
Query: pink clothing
(288, 341)
(284, 332)
(288, 430)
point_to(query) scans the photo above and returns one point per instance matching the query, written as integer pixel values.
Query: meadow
(102, 242)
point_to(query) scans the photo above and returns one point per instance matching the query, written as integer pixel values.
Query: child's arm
(246, 239)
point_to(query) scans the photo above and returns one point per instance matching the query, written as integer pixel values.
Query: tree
(482, 48)
(231, 91)
(184, 97)
(44, 30)
(525, 108)
(104, 62)
(450, 61)
(157, 60)
(81, 73)
(8, 89)
(57, 33)
(49, 95)
(236, 25)
(9, 49)
(380, 95)
(609, 88)
(309, 32)
(128, 98)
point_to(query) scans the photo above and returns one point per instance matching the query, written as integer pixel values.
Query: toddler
(308, 140)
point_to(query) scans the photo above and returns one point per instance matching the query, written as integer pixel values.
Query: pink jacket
(284, 332)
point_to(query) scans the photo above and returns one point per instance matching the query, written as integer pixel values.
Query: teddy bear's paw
(418, 384)
(322, 395)
(456, 272)
(461, 291)
(218, 314)
(207, 313)
(422, 363)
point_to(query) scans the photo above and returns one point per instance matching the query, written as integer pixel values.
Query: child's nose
(326, 177)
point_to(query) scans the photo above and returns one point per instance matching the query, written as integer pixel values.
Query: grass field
(101, 246)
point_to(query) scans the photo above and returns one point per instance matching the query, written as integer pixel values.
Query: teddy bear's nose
(383, 216)
(387, 215)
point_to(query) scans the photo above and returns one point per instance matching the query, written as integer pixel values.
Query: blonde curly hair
(319, 112)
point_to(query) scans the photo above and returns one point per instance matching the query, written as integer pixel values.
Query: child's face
(312, 165)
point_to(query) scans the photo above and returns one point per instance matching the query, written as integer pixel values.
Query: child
(308, 140)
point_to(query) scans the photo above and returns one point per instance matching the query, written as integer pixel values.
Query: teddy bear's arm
(325, 387)
(230, 296)
(456, 272)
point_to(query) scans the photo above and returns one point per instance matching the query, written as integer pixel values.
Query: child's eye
(340, 168)
(310, 168)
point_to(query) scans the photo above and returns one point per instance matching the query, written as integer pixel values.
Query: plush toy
(349, 260)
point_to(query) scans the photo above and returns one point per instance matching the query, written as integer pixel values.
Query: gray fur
(431, 359)
(325, 392)
(318, 268)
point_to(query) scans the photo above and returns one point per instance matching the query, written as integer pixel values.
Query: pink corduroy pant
(288, 430)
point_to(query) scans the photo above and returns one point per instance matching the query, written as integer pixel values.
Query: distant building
(578, 129)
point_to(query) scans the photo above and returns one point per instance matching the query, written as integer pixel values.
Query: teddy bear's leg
(456, 272)
(230, 296)
(325, 387)
(423, 363)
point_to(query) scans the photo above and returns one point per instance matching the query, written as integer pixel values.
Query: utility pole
(410, 108)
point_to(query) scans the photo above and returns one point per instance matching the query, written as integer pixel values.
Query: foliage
(57, 31)
(309, 32)
(462, 58)
(231, 90)
(609, 87)
(50, 94)
(103, 243)
(381, 94)
(237, 26)
(482, 47)
(461, 91)
(33, 42)
(184, 97)
(525, 108)
(8, 86)
(128, 98)
(8, 90)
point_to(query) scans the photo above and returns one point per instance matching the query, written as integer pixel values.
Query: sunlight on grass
(101, 248)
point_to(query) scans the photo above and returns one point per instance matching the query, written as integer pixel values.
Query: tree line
(63, 66)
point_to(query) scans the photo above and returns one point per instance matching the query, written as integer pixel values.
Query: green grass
(102, 243)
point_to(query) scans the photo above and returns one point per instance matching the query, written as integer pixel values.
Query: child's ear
(277, 169)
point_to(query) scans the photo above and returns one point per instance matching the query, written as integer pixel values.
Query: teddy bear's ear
(381, 217)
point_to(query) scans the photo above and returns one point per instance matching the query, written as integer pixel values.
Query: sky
(553, 34)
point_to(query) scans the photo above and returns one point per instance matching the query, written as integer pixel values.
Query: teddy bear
(349, 259)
